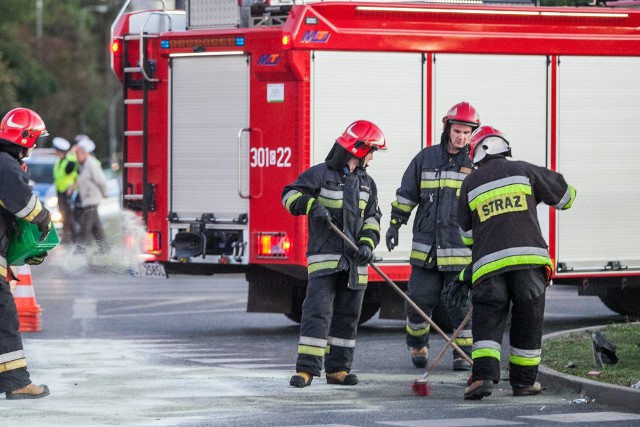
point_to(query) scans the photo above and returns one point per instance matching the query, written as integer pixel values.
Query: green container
(26, 243)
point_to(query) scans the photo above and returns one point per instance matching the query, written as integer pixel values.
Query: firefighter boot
(419, 356)
(301, 379)
(478, 389)
(342, 378)
(531, 390)
(31, 391)
(460, 363)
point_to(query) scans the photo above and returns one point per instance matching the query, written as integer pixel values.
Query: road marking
(587, 417)
(452, 422)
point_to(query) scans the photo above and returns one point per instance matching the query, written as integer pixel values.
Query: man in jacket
(431, 183)
(338, 191)
(510, 262)
(20, 130)
(65, 173)
(92, 188)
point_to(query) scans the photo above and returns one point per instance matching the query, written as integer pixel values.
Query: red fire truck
(225, 104)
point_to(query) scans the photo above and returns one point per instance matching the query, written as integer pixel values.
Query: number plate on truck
(149, 270)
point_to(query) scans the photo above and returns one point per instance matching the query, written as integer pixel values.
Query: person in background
(65, 173)
(510, 267)
(92, 188)
(338, 191)
(20, 130)
(431, 183)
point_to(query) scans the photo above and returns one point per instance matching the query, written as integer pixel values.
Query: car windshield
(41, 172)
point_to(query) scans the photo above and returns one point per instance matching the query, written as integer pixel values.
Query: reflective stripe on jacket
(327, 253)
(498, 214)
(432, 182)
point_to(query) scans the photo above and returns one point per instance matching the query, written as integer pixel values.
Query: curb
(614, 395)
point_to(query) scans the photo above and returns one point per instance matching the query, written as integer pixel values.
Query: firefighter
(510, 261)
(431, 183)
(65, 173)
(338, 191)
(20, 130)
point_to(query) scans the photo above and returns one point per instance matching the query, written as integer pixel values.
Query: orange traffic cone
(25, 298)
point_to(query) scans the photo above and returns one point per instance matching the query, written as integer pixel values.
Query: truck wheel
(623, 300)
(370, 306)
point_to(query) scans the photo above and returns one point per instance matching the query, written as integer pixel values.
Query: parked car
(40, 167)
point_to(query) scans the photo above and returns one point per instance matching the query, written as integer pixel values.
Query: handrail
(141, 57)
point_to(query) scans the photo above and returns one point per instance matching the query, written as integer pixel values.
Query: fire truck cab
(224, 105)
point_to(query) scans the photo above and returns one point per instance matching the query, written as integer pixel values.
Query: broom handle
(450, 341)
(402, 294)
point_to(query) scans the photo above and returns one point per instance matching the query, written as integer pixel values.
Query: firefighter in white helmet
(510, 266)
(20, 130)
(338, 191)
(431, 183)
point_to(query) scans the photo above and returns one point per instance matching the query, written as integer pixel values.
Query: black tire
(370, 306)
(623, 300)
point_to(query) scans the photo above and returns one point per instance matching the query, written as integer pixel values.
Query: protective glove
(320, 214)
(36, 260)
(392, 236)
(456, 293)
(44, 226)
(364, 255)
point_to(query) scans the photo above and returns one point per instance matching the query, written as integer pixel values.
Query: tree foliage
(54, 60)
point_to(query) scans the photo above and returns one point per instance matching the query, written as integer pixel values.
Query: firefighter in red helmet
(20, 131)
(431, 184)
(510, 265)
(338, 191)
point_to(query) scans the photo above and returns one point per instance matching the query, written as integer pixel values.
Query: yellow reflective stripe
(290, 200)
(3, 270)
(368, 241)
(14, 364)
(507, 189)
(321, 266)
(362, 204)
(467, 240)
(485, 352)
(371, 227)
(524, 361)
(418, 255)
(454, 260)
(418, 332)
(363, 279)
(450, 183)
(573, 197)
(402, 207)
(330, 203)
(312, 351)
(34, 213)
(429, 184)
(464, 341)
(509, 261)
(310, 203)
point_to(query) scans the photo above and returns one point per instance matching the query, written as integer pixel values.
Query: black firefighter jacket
(16, 200)
(352, 201)
(432, 182)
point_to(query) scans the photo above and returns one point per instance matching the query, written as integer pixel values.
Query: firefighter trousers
(425, 288)
(524, 292)
(13, 365)
(328, 329)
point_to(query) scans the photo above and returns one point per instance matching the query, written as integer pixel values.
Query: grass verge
(572, 355)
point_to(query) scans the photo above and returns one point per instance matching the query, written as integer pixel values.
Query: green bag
(25, 243)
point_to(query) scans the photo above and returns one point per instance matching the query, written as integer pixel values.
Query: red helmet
(361, 137)
(487, 141)
(22, 127)
(462, 113)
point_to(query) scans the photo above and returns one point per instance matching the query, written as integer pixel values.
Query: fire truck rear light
(273, 245)
(286, 40)
(115, 46)
(152, 243)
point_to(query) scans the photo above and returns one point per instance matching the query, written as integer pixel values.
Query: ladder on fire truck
(138, 78)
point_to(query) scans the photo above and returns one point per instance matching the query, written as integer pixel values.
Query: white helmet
(486, 141)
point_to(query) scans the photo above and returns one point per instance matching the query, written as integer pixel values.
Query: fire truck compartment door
(209, 101)
(386, 89)
(598, 152)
